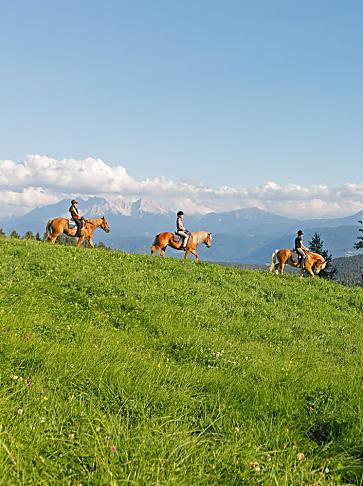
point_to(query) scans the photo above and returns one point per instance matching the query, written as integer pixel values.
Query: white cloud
(40, 180)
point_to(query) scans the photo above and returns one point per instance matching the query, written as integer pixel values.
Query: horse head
(319, 263)
(208, 240)
(104, 225)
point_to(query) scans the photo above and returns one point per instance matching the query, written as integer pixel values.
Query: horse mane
(199, 236)
(93, 220)
(316, 256)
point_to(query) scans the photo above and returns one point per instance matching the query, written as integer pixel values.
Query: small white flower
(15, 377)
(42, 420)
(300, 456)
(236, 429)
(20, 411)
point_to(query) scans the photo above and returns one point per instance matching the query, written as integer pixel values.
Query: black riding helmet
(180, 213)
(300, 232)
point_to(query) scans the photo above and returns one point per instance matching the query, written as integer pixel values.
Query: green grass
(149, 371)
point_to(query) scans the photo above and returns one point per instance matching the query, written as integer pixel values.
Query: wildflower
(294, 443)
(287, 431)
(20, 411)
(257, 468)
(15, 377)
(112, 448)
(71, 436)
(300, 456)
(42, 458)
(42, 420)
(98, 429)
(27, 336)
(236, 429)
(45, 398)
(268, 458)
(284, 444)
(41, 391)
(159, 365)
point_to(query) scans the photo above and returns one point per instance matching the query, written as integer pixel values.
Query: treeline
(349, 270)
(61, 240)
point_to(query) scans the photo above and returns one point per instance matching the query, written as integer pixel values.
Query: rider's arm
(304, 247)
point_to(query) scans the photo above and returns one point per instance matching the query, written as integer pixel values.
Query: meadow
(127, 369)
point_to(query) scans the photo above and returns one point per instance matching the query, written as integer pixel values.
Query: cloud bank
(39, 180)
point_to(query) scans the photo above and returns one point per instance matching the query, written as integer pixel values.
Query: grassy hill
(127, 369)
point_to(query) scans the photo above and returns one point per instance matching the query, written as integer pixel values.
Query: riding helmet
(74, 201)
(300, 232)
(179, 213)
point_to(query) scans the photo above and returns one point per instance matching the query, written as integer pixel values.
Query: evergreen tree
(101, 245)
(29, 235)
(37, 236)
(14, 234)
(316, 246)
(359, 243)
(66, 240)
(2, 232)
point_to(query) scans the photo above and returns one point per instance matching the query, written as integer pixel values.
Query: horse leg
(162, 253)
(282, 264)
(91, 242)
(54, 236)
(277, 268)
(196, 254)
(155, 249)
(80, 239)
(308, 268)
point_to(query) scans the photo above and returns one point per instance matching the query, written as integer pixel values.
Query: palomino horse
(60, 225)
(162, 240)
(284, 256)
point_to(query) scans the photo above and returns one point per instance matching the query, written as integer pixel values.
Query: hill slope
(126, 368)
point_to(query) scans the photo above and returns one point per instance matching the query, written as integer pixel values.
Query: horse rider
(181, 230)
(76, 217)
(300, 248)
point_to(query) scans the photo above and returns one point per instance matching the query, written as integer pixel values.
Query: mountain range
(245, 235)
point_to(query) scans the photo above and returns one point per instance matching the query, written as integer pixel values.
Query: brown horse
(60, 225)
(313, 263)
(162, 240)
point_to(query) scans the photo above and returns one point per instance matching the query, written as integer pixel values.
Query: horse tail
(154, 246)
(47, 230)
(273, 260)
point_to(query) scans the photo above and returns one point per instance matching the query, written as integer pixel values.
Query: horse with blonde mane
(313, 264)
(162, 240)
(57, 226)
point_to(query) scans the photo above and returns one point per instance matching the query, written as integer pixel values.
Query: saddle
(178, 239)
(296, 257)
(72, 224)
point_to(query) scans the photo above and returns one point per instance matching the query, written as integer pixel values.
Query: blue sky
(225, 93)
